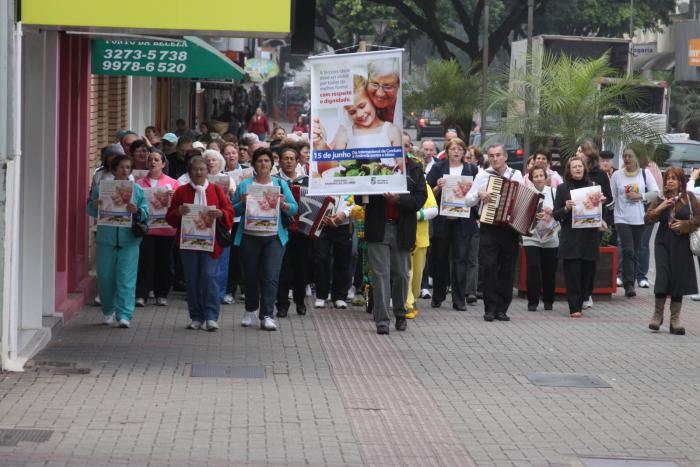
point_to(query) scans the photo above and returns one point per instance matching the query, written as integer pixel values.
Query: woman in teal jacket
(262, 252)
(118, 251)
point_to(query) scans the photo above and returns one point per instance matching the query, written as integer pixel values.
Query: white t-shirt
(456, 170)
(631, 212)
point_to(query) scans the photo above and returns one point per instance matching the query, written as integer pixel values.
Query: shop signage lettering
(694, 52)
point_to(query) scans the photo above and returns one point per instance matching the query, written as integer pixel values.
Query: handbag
(223, 236)
(138, 228)
(694, 235)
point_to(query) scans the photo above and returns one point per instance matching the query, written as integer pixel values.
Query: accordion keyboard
(489, 210)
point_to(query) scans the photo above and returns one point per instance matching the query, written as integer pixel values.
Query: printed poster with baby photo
(453, 202)
(115, 195)
(158, 202)
(356, 124)
(588, 211)
(262, 208)
(197, 229)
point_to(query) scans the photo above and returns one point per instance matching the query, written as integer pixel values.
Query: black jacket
(574, 243)
(409, 203)
(467, 226)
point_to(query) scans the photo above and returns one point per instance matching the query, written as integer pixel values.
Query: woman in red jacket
(259, 125)
(200, 267)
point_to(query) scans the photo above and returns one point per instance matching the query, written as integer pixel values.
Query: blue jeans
(202, 285)
(642, 267)
(262, 261)
(222, 272)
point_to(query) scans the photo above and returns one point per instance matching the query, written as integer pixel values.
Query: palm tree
(566, 99)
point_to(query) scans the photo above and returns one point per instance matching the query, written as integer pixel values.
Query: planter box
(605, 276)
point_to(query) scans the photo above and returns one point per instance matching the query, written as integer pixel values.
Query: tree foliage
(563, 100)
(456, 25)
(450, 90)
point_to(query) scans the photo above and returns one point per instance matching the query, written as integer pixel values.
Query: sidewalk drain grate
(10, 437)
(603, 462)
(200, 370)
(567, 380)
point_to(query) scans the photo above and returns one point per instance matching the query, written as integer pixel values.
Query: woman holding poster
(117, 248)
(577, 246)
(262, 236)
(212, 206)
(454, 227)
(156, 248)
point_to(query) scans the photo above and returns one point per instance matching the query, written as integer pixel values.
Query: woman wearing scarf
(200, 267)
(629, 187)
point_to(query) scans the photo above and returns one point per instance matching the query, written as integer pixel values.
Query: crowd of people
(410, 245)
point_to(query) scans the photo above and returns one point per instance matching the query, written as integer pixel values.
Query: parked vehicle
(678, 153)
(429, 124)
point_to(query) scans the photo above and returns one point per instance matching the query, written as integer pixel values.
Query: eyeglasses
(385, 87)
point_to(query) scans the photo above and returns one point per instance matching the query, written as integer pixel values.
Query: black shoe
(629, 292)
(489, 317)
(282, 311)
(383, 329)
(532, 308)
(401, 323)
(502, 317)
(480, 295)
(301, 309)
(435, 304)
(548, 306)
(460, 307)
(471, 299)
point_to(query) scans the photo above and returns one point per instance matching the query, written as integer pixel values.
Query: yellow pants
(416, 276)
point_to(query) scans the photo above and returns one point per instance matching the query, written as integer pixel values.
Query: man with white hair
(429, 149)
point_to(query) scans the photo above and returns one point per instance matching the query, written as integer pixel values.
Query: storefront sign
(187, 58)
(639, 50)
(271, 18)
(356, 117)
(694, 52)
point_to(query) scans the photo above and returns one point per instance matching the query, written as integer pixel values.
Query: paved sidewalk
(452, 390)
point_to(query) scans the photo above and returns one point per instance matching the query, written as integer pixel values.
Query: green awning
(190, 57)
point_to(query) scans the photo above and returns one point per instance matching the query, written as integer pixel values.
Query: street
(452, 390)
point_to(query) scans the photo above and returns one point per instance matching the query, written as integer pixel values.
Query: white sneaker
(140, 302)
(151, 294)
(248, 318)
(108, 319)
(351, 293)
(340, 304)
(290, 294)
(588, 303)
(619, 282)
(268, 324)
(194, 325)
(124, 323)
(97, 300)
(160, 301)
(228, 299)
(644, 284)
(320, 303)
(695, 298)
(308, 290)
(425, 293)
(210, 325)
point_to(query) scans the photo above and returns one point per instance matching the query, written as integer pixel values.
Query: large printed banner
(356, 124)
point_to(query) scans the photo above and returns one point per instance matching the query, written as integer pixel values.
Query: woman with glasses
(383, 82)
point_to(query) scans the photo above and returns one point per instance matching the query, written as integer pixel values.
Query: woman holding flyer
(453, 229)
(117, 252)
(156, 247)
(577, 246)
(262, 237)
(196, 208)
(541, 247)
(630, 186)
(678, 215)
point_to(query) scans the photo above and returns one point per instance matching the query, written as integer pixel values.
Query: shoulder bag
(694, 235)
(223, 236)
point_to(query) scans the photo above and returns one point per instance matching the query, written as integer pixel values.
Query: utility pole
(630, 56)
(484, 71)
(528, 66)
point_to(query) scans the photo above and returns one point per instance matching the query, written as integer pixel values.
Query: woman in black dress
(577, 247)
(678, 214)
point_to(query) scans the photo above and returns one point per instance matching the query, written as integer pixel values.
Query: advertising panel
(356, 124)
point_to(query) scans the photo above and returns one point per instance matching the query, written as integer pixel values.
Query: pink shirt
(145, 182)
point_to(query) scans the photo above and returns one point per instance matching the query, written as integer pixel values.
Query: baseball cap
(170, 138)
(607, 155)
(198, 145)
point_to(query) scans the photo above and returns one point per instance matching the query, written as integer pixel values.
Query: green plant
(450, 90)
(562, 99)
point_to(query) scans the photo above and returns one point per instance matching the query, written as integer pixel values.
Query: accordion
(511, 204)
(312, 210)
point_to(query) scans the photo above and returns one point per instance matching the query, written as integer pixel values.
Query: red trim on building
(73, 284)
